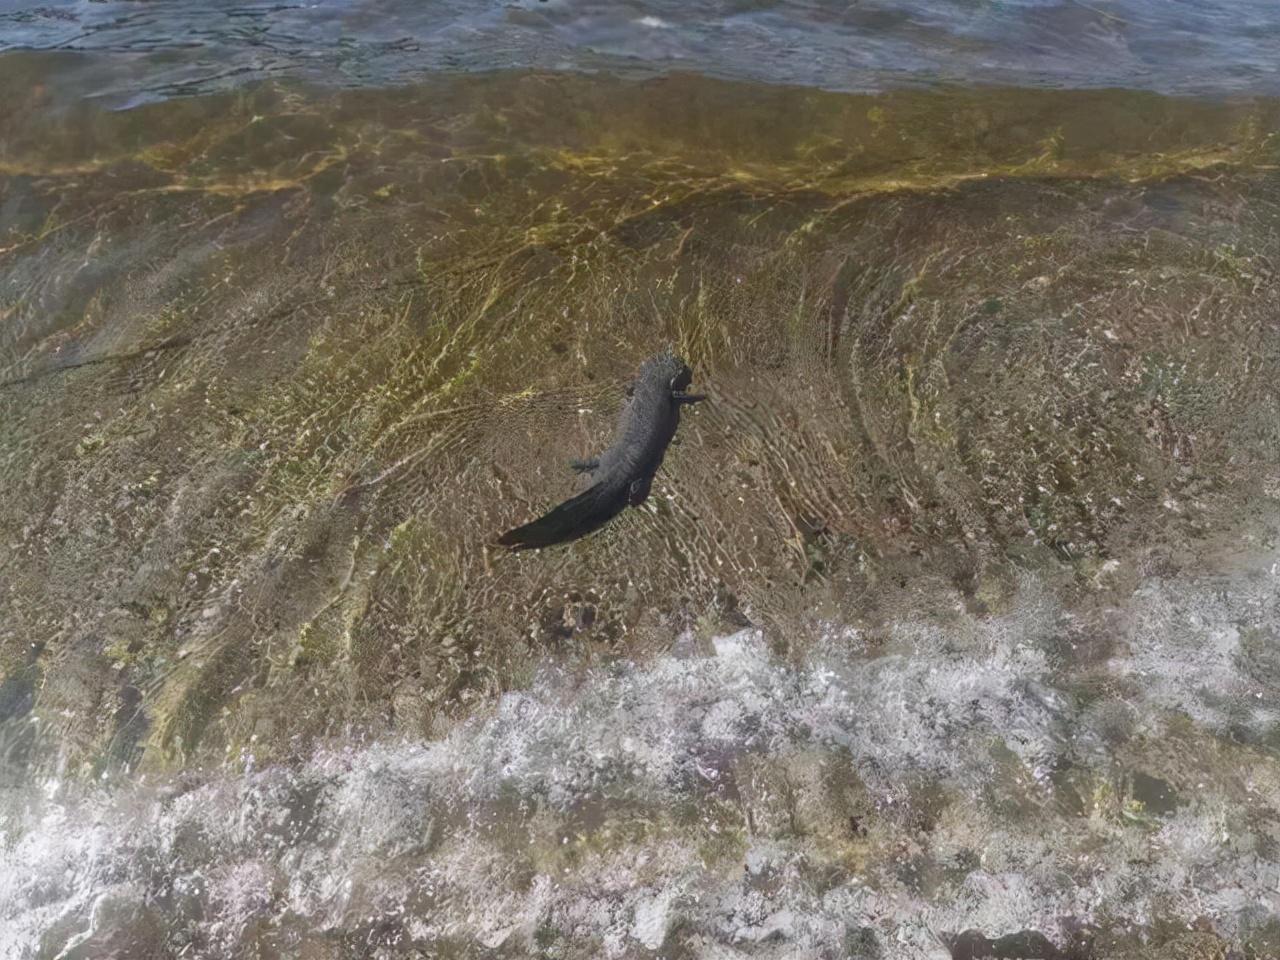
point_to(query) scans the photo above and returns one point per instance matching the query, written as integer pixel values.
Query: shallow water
(953, 610)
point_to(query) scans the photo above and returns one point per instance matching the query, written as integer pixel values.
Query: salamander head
(668, 370)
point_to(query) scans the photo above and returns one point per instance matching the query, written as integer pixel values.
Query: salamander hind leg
(584, 466)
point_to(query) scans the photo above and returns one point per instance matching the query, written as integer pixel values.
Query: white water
(705, 800)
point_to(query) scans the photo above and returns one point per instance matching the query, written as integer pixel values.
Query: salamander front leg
(584, 466)
(679, 396)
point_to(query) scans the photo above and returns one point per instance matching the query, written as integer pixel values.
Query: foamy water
(890, 793)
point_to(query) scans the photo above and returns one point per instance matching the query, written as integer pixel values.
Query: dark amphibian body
(622, 475)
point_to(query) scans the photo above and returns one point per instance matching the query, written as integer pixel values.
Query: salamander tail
(574, 518)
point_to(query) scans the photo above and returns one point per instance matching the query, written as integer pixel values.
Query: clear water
(948, 631)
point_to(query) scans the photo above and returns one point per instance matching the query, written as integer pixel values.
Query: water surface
(128, 53)
(953, 610)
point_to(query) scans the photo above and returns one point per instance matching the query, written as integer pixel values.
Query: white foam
(486, 836)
